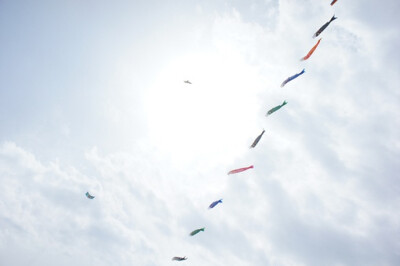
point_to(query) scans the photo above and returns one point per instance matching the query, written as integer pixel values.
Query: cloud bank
(114, 118)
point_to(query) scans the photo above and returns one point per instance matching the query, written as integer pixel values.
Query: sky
(92, 99)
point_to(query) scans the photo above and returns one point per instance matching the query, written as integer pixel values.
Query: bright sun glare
(210, 117)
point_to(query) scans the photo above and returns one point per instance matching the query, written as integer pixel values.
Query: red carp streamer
(240, 170)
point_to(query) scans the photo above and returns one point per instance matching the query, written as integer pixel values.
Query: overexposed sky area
(92, 99)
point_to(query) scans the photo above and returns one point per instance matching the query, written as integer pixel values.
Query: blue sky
(92, 99)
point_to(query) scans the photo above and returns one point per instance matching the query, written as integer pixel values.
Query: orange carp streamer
(311, 51)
